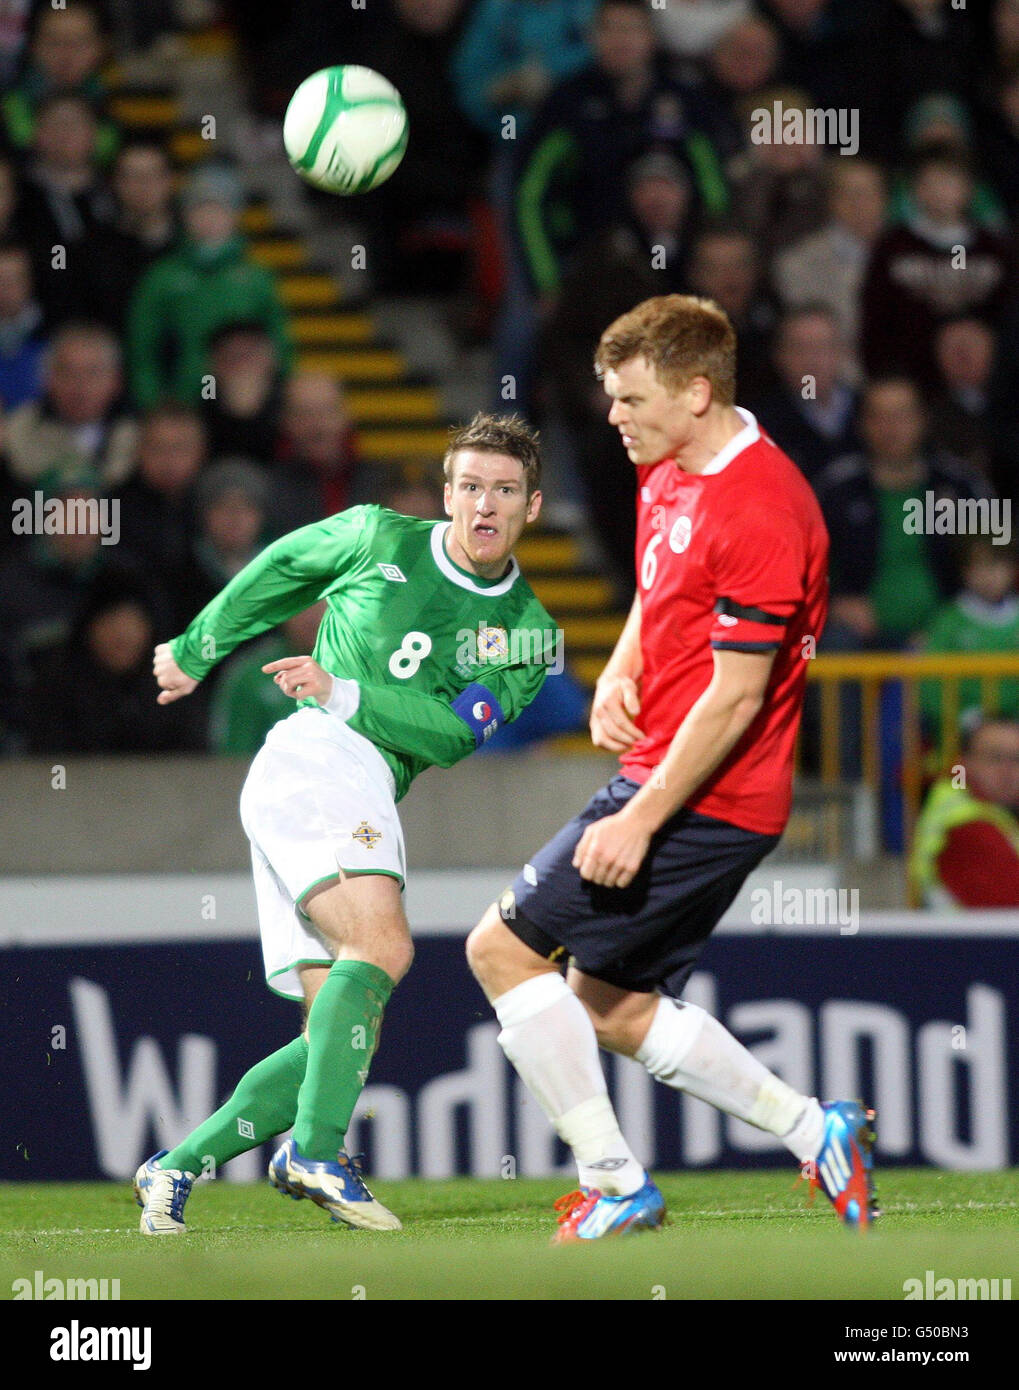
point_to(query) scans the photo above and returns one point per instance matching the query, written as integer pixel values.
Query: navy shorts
(648, 935)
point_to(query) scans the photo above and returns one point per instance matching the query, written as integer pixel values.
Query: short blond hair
(681, 336)
(498, 434)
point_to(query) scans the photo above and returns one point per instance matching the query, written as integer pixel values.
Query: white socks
(548, 1036)
(691, 1051)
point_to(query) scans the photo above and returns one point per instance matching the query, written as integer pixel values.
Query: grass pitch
(732, 1236)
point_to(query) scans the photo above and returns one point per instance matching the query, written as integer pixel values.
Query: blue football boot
(843, 1169)
(337, 1187)
(588, 1214)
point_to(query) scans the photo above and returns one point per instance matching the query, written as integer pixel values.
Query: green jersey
(442, 657)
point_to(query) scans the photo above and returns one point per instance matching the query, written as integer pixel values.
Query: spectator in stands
(936, 266)
(157, 514)
(812, 412)
(982, 617)
(825, 51)
(66, 52)
(22, 344)
(966, 843)
(247, 703)
(1003, 417)
(725, 267)
(959, 422)
(937, 121)
(185, 296)
(43, 581)
(692, 28)
(914, 47)
(828, 266)
(414, 492)
(10, 196)
(1005, 35)
(243, 416)
(887, 579)
(641, 256)
(78, 420)
(13, 39)
(232, 510)
(778, 184)
(316, 460)
(999, 139)
(511, 54)
(592, 126)
(144, 228)
(423, 236)
(64, 202)
(94, 693)
(743, 63)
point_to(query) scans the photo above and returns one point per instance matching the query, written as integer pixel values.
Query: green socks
(263, 1105)
(343, 1028)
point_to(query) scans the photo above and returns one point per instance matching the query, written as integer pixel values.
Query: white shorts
(318, 799)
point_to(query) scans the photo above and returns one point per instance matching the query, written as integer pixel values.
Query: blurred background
(188, 330)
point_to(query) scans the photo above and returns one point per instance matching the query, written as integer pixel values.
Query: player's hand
(616, 701)
(301, 678)
(173, 683)
(611, 850)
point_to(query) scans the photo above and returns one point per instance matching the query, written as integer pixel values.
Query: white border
(121, 909)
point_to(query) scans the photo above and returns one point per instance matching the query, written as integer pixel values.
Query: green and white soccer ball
(345, 129)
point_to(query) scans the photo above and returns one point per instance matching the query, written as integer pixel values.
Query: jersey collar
(750, 434)
(451, 572)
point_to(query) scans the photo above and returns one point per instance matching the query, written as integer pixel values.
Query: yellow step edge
(331, 328)
(256, 219)
(587, 593)
(210, 43)
(187, 146)
(587, 669)
(571, 745)
(405, 403)
(396, 445)
(309, 291)
(279, 255)
(145, 111)
(548, 552)
(597, 632)
(354, 366)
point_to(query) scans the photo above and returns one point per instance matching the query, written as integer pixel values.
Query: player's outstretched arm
(173, 683)
(617, 693)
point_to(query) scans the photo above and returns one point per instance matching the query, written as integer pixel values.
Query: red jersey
(731, 559)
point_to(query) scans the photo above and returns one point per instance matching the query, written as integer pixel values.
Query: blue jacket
(501, 35)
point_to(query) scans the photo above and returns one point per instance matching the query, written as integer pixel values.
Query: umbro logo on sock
(608, 1165)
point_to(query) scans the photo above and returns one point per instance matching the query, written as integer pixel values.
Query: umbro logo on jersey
(727, 619)
(393, 572)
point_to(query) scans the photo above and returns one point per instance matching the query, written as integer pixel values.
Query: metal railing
(869, 672)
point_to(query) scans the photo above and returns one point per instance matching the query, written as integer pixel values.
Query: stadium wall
(133, 1003)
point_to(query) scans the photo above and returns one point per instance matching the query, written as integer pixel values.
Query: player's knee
(483, 951)
(399, 958)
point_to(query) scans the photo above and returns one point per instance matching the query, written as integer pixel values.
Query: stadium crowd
(567, 159)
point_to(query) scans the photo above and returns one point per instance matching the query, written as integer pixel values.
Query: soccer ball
(345, 129)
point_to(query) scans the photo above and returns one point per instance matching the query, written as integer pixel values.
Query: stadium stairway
(398, 413)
